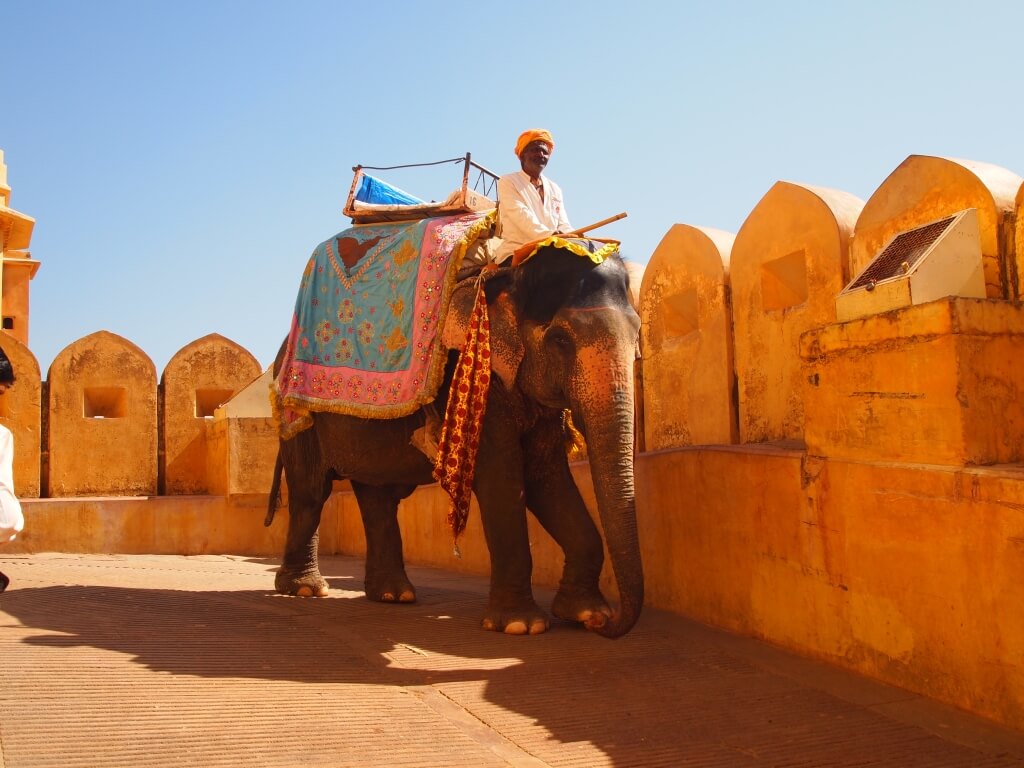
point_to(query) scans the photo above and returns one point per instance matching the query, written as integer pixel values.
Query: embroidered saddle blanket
(364, 338)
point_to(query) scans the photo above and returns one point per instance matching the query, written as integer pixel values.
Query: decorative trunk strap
(464, 415)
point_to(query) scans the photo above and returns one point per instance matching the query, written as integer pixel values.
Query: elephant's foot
(300, 583)
(581, 604)
(394, 588)
(524, 618)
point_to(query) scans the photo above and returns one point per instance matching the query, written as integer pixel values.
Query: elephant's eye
(559, 339)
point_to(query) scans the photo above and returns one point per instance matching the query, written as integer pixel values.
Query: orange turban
(534, 134)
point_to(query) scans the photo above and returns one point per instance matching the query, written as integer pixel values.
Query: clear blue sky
(182, 159)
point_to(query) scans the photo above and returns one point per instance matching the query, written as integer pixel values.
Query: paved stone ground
(142, 661)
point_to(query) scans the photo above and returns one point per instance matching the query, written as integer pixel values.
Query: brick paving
(110, 660)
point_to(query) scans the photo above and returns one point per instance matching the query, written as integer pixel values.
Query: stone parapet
(880, 547)
(183, 525)
(21, 410)
(686, 335)
(789, 261)
(240, 455)
(200, 378)
(102, 419)
(937, 383)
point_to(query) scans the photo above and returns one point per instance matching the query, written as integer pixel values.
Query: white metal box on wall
(939, 259)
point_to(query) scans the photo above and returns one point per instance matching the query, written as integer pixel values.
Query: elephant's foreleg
(552, 496)
(309, 485)
(386, 580)
(498, 485)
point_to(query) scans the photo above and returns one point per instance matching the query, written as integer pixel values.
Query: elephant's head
(563, 331)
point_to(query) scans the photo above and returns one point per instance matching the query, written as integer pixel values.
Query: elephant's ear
(506, 343)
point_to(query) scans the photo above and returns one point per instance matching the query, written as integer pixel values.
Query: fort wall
(849, 490)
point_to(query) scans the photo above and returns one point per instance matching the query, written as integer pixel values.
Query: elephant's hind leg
(386, 580)
(309, 485)
(554, 499)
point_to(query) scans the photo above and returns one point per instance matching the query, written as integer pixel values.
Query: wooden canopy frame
(481, 195)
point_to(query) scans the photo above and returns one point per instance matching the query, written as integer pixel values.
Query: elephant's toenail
(515, 628)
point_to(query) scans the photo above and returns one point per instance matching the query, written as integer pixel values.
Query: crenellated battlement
(102, 424)
(850, 490)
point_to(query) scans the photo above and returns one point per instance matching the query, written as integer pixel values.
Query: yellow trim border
(572, 245)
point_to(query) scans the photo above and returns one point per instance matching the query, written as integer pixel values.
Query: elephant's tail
(275, 492)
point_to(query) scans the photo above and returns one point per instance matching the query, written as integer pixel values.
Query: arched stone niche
(924, 189)
(21, 412)
(102, 419)
(199, 378)
(686, 337)
(789, 262)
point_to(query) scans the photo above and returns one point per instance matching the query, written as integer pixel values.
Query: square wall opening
(104, 402)
(209, 400)
(784, 282)
(681, 314)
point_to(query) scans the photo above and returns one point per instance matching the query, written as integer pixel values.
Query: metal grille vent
(906, 248)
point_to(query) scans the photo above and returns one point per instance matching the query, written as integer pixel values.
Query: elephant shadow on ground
(662, 695)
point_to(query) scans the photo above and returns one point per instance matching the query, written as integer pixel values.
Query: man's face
(535, 157)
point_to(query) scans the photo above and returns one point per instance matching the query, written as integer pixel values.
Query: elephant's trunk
(606, 408)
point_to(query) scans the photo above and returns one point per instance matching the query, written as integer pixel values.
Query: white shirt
(11, 518)
(523, 216)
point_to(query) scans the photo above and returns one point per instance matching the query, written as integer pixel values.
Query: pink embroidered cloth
(364, 338)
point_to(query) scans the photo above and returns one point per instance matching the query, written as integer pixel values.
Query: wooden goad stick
(594, 226)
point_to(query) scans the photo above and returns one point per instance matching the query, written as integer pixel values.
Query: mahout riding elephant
(563, 335)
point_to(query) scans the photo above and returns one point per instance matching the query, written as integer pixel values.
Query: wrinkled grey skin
(563, 336)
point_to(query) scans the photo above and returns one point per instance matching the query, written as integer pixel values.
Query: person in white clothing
(530, 205)
(11, 518)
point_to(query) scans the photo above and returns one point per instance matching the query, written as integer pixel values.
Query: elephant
(563, 336)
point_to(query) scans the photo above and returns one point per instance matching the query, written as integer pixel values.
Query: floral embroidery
(343, 351)
(325, 331)
(346, 311)
(367, 332)
(364, 337)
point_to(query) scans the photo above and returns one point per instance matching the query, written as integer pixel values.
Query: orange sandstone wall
(200, 377)
(936, 383)
(102, 419)
(909, 574)
(1015, 254)
(21, 412)
(96, 426)
(789, 261)
(169, 525)
(686, 338)
(877, 548)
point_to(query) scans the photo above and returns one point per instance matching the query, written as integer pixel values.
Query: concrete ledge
(158, 525)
